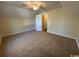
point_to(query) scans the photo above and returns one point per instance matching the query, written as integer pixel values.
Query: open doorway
(44, 22)
(41, 22)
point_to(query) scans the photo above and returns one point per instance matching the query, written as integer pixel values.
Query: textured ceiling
(73, 6)
(49, 5)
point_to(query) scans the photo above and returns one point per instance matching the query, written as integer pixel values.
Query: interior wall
(15, 20)
(63, 22)
(77, 37)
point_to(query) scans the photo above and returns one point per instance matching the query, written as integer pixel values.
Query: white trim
(65, 36)
(18, 32)
(34, 29)
(61, 35)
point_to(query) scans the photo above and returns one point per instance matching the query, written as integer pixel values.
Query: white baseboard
(34, 29)
(18, 32)
(61, 35)
(66, 36)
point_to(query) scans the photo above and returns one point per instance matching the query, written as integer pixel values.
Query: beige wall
(60, 21)
(14, 20)
(63, 22)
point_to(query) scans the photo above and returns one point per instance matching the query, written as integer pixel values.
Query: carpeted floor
(37, 44)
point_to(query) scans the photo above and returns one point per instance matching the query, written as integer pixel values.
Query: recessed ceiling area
(48, 5)
(71, 5)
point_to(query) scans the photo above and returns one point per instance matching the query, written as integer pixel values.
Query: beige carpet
(37, 44)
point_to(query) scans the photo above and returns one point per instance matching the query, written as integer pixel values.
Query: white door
(38, 22)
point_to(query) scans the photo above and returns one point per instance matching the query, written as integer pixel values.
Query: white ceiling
(15, 12)
(49, 5)
(71, 5)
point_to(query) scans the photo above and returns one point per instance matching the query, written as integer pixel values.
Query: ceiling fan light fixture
(34, 8)
(34, 5)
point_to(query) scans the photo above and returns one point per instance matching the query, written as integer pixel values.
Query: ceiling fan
(34, 5)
